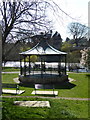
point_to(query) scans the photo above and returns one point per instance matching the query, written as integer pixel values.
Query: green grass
(10, 69)
(77, 89)
(59, 109)
(8, 78)
(80, 90)
(67, 109)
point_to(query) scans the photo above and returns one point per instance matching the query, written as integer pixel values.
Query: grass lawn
(68, 109)
(8, 78)
(77, 89)
(10, 69)
(80, 90)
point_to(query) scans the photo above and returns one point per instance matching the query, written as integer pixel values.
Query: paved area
(12, 91)
(44, 92)
(33, 103)
(16, 80)
(70, 79)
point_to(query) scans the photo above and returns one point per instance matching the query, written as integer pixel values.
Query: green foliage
(72, 56)
(33, 58)
(24, 48)
(66, 47)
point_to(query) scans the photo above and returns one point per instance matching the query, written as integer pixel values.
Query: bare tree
(78, 31)
(21, 19)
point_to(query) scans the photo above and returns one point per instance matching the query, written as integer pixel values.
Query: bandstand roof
(43, 48)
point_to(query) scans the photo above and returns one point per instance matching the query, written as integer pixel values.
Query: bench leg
(53, 91)
(17, 88)
(35, 91)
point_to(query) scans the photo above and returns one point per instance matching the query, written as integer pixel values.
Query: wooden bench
(16, 86)
(45, 86)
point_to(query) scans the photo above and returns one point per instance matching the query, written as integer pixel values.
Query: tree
(66, 47)
(85, 57)
(78, 31)
(21, 19)
(67, 39)
(72, 56)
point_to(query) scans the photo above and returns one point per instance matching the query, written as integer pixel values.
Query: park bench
(44, 91)
(5, 88)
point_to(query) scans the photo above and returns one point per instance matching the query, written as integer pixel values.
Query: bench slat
(44, 86)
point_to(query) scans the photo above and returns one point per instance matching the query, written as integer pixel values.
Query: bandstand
(50, 68)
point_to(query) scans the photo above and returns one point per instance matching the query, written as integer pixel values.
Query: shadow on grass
(88, 75)
(65, 85)
(29, 85)
(9, 85)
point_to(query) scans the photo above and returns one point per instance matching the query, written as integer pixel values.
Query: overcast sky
(77, 9)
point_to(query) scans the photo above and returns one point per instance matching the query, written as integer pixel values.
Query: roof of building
(43, 48)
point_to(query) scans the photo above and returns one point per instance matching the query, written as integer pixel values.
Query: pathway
(66, 98)
(11, 72)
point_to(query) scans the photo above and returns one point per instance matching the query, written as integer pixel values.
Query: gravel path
(66, 98)
(11, 72)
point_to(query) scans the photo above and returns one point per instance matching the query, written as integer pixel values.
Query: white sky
(77, 9)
